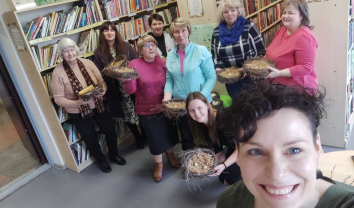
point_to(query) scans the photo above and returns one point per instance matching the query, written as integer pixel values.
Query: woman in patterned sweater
(234, 41)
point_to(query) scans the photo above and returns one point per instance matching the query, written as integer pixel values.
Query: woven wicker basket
(198, 163)
(257, 67)
(118, 68)
(174, 108)
(93, 93)
(229, 75)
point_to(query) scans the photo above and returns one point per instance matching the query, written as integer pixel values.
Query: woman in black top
(202, 120)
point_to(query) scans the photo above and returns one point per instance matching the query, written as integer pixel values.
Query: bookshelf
(16, 20)
(334, 67)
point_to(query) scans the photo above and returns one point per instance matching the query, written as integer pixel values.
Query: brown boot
(172, 160)
(158, 171)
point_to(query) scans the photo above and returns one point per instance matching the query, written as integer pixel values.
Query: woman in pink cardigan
(149, 90)
(68, 79)
(294, 48)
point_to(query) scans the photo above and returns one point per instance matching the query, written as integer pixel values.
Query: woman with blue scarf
(234, 41)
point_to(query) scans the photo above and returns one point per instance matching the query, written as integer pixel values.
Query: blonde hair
(180, 22)
(145, 39)
(64, 43)
(231, 4)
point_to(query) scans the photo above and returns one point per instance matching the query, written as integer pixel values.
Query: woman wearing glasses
(149, 91)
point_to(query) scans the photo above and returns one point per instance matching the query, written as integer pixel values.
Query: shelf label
(36, 41)
(163, 5)
(131, 14)
(88, 54)
(70, 32)
(158, 6)
(145, 33)
(47, 38)
(96, 24)
(84, 28)
(150, 8)
(114, 19)
(135, 37)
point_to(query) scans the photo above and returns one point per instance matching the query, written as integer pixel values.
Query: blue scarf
(228, 37)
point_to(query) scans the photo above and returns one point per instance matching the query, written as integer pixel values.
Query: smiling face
(157, 27)
(199, 111)
(291, 18)
(230, 15)
(69, 54)
(279, 163)
(148, 51)
(109, 34)
(181, 34)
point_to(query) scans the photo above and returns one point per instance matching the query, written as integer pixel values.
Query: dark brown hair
(103, 46)
(156, 17)
(252, 105)
(199, 129)
(302, 6)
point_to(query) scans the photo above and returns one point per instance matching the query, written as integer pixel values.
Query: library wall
(209, 12)
(26, 93)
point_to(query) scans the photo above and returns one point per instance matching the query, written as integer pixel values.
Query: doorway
(20, 151)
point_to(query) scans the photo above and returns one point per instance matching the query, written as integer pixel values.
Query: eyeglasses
(151, 44)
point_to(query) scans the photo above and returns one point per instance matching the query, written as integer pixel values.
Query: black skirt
(161, 132)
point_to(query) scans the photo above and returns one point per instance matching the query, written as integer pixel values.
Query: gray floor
(129, 186)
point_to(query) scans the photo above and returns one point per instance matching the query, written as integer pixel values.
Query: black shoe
(140, 145)
(119, 160)
(105, 167)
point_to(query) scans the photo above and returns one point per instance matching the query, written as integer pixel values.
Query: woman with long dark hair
(120, 104)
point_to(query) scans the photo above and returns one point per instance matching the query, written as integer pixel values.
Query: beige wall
(43, 131)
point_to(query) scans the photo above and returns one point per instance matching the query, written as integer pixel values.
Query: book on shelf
(47, 80)
(62, 114)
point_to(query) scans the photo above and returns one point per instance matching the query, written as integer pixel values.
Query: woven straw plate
(229, 75)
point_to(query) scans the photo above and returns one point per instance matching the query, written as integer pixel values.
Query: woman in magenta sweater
(149, 91)
(294, 48)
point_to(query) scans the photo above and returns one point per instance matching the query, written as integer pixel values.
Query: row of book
(47, 80)
(169, 14)
(115, 8)
(80, 152)
(88, 41)
(83, 13)
(71, 133)
(264, 3)
(62, 114)
(133, 27)
(46, 56)
(269, 16)
(269, 34)
(351, 34)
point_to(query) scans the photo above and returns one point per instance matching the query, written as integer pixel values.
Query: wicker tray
(118, 68)
(198, 163)
(257, 67)
(93, 93)
(174, 108)
(229, 75)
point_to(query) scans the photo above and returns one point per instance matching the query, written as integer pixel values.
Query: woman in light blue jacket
(189, 68)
